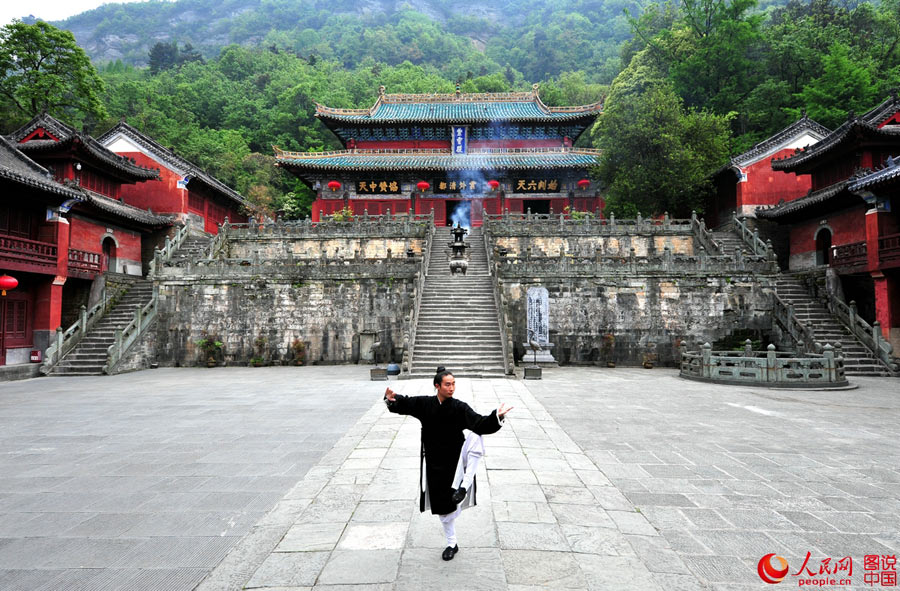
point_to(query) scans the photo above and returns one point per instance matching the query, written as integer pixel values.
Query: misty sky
(49, 10)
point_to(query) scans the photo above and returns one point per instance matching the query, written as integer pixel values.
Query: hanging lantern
(8, 282)
(423, 186)
(584, 184)
(334, 185)
(493, 184)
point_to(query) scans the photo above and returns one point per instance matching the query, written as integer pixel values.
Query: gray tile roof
(866, 125)
(884, 175)
(19, 168)
(810, 200)
(119, 210)
(804, 124)
(69, 136)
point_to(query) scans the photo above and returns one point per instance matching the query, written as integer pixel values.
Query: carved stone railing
(362, 225)
(800, 333)
(290, 268)
(68, 339)
(752, 240)
(768, 368)
(127, 336)
(506, 326)
(867, 334)
(409, 339)
(563, 224)
(604, 265)
(172, 244)
(703, 235)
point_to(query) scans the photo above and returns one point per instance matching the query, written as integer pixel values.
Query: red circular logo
(772, 569)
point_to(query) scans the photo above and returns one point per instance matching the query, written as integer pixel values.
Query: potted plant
(259, 345)
(607, 347)
(209, 347)
(298, 347)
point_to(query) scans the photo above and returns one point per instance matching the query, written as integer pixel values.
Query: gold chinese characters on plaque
(377, 187)
(535, 186)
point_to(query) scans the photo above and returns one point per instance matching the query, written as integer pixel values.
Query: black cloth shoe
(449, 552)
(458, 495)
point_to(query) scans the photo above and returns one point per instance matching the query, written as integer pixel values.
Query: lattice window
(195, 202)
(16, 320)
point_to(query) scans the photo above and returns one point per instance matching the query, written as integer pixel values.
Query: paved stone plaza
(298, 478)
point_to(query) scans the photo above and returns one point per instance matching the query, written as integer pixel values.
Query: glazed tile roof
(174, 161)
(865, 126)
(19, 168)
(69, 136)
(459, 108)
(509, 159)
(890, 172)
(807, 203)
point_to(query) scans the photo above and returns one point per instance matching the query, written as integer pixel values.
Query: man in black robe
(443, 419)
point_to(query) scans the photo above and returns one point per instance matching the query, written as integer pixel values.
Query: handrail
(867, 334)
(765, 367)
(279, 153)
(704, 237)
(751, 238)
(68, 339)
(410, 337)
(125, 337)
(512, 224)
(500, 302)
(165, 255)
(800, 333)
(604, 265)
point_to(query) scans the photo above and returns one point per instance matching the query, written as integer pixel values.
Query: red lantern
(423, 186)
(8, 282)
(584, 184)
(494, 184)
(334, 185)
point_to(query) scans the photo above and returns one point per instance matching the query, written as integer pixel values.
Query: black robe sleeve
(406, 405)
(481, 424)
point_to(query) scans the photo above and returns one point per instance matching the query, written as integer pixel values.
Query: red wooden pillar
(879, 222)
(49, 294)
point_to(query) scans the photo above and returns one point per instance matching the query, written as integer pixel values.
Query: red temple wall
(765, 186)
(161, 196)
(846, 227)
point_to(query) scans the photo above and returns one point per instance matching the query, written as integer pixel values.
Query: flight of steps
(858, 360)
(89, 356)
(729, 241)
(192, 248)
(458, 324)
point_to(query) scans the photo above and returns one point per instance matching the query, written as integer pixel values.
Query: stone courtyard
(298, 478)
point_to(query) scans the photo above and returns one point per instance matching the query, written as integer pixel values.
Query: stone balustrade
(767, 368)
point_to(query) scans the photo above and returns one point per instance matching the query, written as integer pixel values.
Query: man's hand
(501, 412)
(389, 394)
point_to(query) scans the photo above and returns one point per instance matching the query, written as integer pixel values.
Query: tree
(42, 69)
(657, 156)
(163, 56)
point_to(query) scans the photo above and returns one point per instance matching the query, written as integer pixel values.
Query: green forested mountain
(539, 39)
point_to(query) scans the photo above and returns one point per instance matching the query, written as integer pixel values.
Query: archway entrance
(109, 255)
(823, 247)
(459, 212)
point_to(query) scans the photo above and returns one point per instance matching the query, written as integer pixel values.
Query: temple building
(748, 181)
(182, 189)
(459, 155)
(849, 221)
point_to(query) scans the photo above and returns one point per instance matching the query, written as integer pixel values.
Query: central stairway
(458, 324)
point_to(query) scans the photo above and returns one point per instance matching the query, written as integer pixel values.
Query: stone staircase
(193, 248)
(858, 360)
(729, 240)
(458, 324)
(89, 356)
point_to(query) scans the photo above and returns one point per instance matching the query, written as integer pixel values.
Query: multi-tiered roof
(493, 119)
